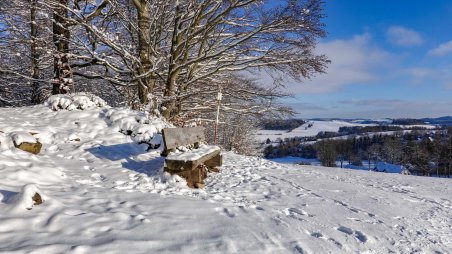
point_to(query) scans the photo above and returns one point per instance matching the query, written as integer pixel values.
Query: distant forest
(281, 124)
(422, 152)
(406, 121)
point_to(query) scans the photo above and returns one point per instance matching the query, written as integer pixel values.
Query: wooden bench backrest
(174, 137)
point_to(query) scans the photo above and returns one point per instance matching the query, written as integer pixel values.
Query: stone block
(33, 148)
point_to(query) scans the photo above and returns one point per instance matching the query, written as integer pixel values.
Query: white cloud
(380, 108)
(430, 76)
(419, 75)
(442, 50)
(402, 36)
(419, 72)
(353, 61)
(401, 108)
(381, 103)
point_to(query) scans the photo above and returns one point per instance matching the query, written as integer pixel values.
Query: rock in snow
(29, 196)
(26, 142)
(110, 195)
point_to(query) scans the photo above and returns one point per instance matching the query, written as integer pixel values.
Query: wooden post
(219, 96)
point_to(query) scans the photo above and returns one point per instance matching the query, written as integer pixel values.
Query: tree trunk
(34, 54)
(172, 73)
(437, 167)
(62, 81)
(146, 80)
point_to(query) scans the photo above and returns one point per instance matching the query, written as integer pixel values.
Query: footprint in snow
(98, 177)
(316, 234)
(338, 244)
(357, 234)
(323, 237)
(89, 168)
(226, 212)
(259, 208)
(296, 211)
(95, 178)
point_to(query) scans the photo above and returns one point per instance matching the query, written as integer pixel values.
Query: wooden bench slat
(174, 137)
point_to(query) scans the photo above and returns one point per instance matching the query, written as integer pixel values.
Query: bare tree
(179, 46)
(24, 51)
(172, 56)
(326, 152)
(212, 37)
(392, 149)
(374, 153)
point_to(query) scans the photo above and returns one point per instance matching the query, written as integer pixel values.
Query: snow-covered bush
(81, 101)
(140, 126)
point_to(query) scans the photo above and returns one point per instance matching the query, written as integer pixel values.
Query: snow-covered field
(103, 193)
(325, 126)
(383, 167)
(296, 160)
(304, 131)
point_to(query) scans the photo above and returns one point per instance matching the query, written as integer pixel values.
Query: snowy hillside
(103, 193)
(325, 126)
(305, 131)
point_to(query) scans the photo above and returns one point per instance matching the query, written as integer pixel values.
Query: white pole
(217, 121)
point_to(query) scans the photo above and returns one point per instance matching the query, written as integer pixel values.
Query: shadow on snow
(132, 156)
(5, 195)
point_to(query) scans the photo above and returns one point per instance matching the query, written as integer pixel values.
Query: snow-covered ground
(379, 166)
(103, 193)
(296, 160)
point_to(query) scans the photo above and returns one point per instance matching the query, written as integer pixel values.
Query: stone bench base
(194, 172)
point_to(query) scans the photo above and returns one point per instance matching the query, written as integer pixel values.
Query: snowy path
(105, 194)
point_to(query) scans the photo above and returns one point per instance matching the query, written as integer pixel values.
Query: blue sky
(390, 58)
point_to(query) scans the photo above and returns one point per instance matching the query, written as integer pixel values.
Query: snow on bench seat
(193, 155)
(208, 155)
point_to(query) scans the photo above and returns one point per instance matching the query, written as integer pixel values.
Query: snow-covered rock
(26, 142)
(22, 137)
(29, 196)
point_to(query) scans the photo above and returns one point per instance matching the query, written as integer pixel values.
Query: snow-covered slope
(106, 194)
(325, 126)
(305, 131)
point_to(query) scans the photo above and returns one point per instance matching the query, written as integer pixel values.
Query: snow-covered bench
(191, 164)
